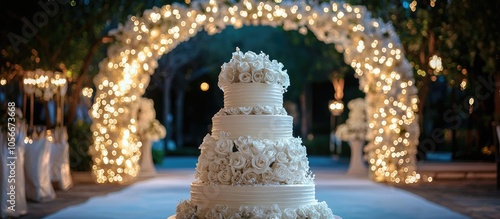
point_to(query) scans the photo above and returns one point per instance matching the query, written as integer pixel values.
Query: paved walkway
(476, 198)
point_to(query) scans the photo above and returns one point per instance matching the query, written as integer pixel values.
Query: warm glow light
(435, 63)
(336, 107)
(204, 86)
(390, 92)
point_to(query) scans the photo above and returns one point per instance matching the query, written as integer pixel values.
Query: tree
(67, 36)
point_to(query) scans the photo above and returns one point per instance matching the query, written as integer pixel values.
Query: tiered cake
(251, 166)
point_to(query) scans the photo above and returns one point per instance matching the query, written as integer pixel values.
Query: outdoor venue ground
(475, 197)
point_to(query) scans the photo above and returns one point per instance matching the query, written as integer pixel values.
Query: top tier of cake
(252, 68)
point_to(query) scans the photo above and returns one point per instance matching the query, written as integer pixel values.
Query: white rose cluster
(252, 110)
(356, 126)
(320, 210)
(248, 161)
(252, 68)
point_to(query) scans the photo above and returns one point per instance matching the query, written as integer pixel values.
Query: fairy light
(369, 45)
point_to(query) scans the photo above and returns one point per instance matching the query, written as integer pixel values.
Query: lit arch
(370, 46)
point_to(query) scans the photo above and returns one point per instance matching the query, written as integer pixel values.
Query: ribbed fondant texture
(285, 196)
(271, 127)
(252, 94)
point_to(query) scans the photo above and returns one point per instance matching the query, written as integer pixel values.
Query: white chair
(59, 160)
(37, 168)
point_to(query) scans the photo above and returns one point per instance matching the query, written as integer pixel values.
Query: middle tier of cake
(272, 127)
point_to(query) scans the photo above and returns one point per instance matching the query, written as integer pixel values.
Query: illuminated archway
(370, 46)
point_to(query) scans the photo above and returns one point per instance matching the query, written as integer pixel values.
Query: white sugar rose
(293, 166)
(213, 214)
(245, 77)
(249, 176)
(236, 177)
(324, 210)
(257, 147)
(267, 176)
(280, 172)
(302, 212)
(245, 150)
(257, 66)
(250, 56)
(246, 110)
(224, 147)
(237, 55)
(292, 152)
(284, 79)
(260, 163)
(242, 140)
(207, 143)
(213, 167)
(280, 145)
(186, 210)
(212, 177)
(281, 157)
(270, 77)
(227, 73)
(220, 208)
(237, 160)
(221, 161)
(271, 153)
(210, 155)
(257, 76)
(224, 176)
(290, 213)
(243, 67)
(258, 212)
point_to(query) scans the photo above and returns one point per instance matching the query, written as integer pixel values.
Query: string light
(369, 45)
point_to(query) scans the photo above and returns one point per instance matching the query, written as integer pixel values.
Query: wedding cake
(251, 166)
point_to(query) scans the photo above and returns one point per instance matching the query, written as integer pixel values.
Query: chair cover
(59, 158)
(37, 169)
(21, 207)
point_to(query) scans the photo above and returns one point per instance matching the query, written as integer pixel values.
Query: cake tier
(248, 161)
(272, 127)
(285, 196)
(252, 94)
(279, 201)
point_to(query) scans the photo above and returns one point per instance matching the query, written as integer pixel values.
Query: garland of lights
(370, 46)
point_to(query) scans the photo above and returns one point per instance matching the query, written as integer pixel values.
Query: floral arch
(370, 46)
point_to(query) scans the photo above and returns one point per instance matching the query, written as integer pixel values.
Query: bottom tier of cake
(270, 201)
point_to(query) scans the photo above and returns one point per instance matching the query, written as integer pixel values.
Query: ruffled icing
(252, 68)
(320, 210)
(248, 161)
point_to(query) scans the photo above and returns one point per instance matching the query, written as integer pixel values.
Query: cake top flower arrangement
(250, 67)
(148, 126)
(355, 127)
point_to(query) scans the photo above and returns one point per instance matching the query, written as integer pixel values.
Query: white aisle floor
(348, 197)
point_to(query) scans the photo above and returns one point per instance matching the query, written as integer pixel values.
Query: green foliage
(79, 139)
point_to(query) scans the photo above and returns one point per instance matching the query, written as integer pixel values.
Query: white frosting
(316, 210)
(248, 161)
(285, 196)
(251, 166)
(252, 94)
(271, 127)
(252, 68)
(252, 110)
